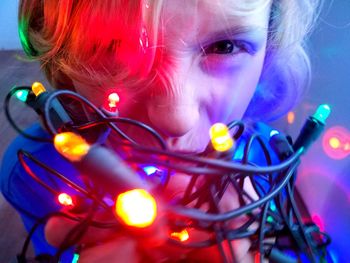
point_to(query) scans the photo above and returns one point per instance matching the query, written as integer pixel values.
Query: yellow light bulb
(136, 208)
(65, 199)
(71, 145)
(38, 88)
(182, 235)
(220, 137)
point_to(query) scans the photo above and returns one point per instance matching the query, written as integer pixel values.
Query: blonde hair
(76, 40)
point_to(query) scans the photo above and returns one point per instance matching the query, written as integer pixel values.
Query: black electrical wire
(210, 179)
(197, 215)
(22, 256)
(262, 230)
(103, 118)
(295, 210)
(12, 122)
(53, 172)
(77, 232)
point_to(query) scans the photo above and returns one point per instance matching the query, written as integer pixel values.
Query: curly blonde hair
(77, 39)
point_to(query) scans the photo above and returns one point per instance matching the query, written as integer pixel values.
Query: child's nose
(173, 120)
(175, 105)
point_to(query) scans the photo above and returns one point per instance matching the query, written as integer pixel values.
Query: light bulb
(322, 113)
(290, 117)
(181, 236)
(136, 208)
(22, 95)
(38, 88)
(65, 199)
(334, 142)
(71, 145)
(112, 103)
(220, 137)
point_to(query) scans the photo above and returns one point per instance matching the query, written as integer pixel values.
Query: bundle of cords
(257, 170)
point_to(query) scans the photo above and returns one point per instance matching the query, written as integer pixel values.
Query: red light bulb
(65, 199)
(112, 102)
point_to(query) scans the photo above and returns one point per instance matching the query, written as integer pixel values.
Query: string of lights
(230, 194)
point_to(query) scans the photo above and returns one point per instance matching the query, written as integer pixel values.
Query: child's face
(211, 66)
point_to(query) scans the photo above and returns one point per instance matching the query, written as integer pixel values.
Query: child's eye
(224, 47)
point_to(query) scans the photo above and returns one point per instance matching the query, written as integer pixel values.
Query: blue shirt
(31, 199)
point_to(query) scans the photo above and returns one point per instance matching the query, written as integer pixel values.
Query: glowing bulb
(273, 133)
(71, 145)
(220, 137)
(65, 199)
(113, 100)
(273, 206)
(334, 142)
(269, 219)
(182, 235)
(38, 88)
(150, 169)
(322, 113)
(136, 208)
(290, 117)
(22, 95)
(75, 258)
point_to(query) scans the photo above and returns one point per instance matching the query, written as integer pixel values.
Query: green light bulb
(22, 95)
(322, 113)
(273, 206)
(75, 258)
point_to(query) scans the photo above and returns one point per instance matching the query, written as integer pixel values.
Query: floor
(15, 69)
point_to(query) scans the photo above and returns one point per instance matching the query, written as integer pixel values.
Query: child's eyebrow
(250, 32)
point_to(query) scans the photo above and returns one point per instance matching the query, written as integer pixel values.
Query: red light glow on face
(336, 142)
(65, 199)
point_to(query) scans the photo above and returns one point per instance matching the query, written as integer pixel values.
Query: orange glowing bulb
(334, 142)
(136, 208)
(38, 88)
(220, 137)
(65, 199)
(290, 117)
(71, 145)
(181, 236)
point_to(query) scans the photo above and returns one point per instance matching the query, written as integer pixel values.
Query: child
(178, 66)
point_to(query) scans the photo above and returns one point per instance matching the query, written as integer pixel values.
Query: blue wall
(8, 25)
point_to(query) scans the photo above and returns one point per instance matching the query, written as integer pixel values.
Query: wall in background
(324, 181)
(8, 25)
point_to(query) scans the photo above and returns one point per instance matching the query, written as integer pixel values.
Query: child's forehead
(192, 19)
(217, 8)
